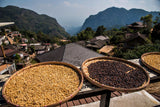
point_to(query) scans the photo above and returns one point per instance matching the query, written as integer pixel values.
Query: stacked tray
(43, 84)
(115, 74)
(151, 60)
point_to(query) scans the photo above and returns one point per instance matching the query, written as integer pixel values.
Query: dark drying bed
(115, 74)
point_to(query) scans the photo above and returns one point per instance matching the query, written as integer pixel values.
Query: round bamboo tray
(48, 63)
(147, 65)
(86, 63)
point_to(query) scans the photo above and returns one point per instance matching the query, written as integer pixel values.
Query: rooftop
(4, 66)
(106, 49)
(101, 37)
(8, 52)
(131, 36)
(136, 25)
(71, 53)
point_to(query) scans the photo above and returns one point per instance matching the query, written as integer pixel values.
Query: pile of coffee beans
(116, 74)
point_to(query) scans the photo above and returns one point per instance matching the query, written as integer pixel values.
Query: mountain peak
(115, 17)
(26, 19)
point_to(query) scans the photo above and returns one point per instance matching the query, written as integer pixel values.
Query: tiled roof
(4, 66)
(39, 47)
(101, 37)
(8, 52)
(137, 24)
(71, 53)
(106, 49)
(96, 44)
(54, 55)
(135, 35)
(75, 54)
(24, 54)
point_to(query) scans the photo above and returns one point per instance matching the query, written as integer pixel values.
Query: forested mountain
(115, 18)
(29, 20)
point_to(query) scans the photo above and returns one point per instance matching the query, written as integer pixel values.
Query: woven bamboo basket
(111, 88)
(48, 63)
(147, 65)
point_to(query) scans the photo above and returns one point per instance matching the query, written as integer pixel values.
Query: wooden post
(105, 99)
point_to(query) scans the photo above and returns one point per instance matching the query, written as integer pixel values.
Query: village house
(55, 45)
(134, 39)
(40, 49)
(97, 42)
(136, 25)
(8, 53)
(48, 46)
(6, 40)
(7, 30)
(34, 44)
(24, 56)
(107, 50)
(10, 40)
(14, 34)
(101, 37)
(23, 47)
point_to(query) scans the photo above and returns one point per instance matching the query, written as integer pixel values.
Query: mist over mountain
(29, 20)
(115, 18)
(73, 30)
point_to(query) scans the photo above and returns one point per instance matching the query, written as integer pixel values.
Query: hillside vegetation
(29, 20)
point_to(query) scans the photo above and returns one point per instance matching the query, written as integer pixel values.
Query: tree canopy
(86, 34)
(100, 30)
(147, 21)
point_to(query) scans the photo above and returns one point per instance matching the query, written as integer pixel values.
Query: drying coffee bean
(116, 74)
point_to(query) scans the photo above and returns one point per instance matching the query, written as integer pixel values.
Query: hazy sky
(74, 12)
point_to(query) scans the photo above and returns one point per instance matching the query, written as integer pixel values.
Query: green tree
(32, 49)
(147, 21)
(117, 39)
(17, 58)
(73, 38)
(100, 30)
(86, 34)
(157, 20)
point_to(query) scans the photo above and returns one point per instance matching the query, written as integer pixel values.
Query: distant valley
(73, 30)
